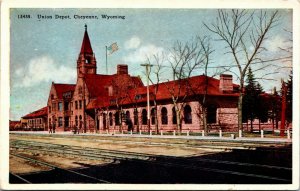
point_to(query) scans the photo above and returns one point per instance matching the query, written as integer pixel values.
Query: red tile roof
(97, 84)
(62, 88)
(191, 86)
(86, 47)
(43, 112)
(14, 123)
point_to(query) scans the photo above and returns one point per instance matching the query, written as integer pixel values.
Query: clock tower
(86, 62)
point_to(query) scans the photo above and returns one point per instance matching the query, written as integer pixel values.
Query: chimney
(122, 69)
(225, 83)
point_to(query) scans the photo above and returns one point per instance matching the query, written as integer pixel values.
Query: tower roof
(86, 44)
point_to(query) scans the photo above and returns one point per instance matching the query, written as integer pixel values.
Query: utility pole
(148, 99)
(106, 59)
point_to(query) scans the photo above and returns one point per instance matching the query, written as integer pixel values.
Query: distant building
(35, 121)
(105, 102)
(14, 125)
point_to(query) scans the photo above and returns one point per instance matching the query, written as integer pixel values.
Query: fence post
(202, 133)
(140, 132)
(262, 133)
(288, 134)
(130, 132)
(174, 133)
(220, 133)
(106, 131)
(240, 133)
(161, 133)
(150, 132)
(188, 133)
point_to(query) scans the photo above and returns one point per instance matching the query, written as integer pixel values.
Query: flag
(112, 48)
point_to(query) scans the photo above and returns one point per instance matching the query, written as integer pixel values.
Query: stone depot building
(98, 102)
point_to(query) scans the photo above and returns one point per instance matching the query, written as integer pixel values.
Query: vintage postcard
(150, 95)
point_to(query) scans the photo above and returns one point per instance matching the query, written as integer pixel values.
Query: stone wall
(225, 118)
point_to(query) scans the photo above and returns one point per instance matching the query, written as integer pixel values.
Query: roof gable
(62, 88)
(97, 84)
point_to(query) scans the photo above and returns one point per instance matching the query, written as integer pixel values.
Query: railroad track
(189, 143)
(54, 167)
(260, 172)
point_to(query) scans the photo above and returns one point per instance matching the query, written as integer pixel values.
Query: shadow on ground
(191, 169)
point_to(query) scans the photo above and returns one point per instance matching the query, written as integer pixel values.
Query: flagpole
(106, 58)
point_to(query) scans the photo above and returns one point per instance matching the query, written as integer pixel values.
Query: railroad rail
(19, 178)
(175, 142)
(256, 171)
(52, 166)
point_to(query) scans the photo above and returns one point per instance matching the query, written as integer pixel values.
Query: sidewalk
(191, 137)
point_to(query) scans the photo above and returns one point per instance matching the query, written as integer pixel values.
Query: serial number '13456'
(23, 16)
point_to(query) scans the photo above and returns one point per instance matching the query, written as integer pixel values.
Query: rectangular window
(80, 104)
(76, 105)
(212, 114)
(49, 109)
(60, 121)
(60, 106)
(66, 121)
(53, 106)
(66, 106)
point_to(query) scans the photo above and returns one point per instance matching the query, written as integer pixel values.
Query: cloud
(140, 55)
(43, 69)
(273, 44)
(132, 43)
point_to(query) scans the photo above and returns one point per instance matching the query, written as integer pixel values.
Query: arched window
(127, 115)
(187, 114)
(212, 114)
(136, 117)
(164, 116)
(103, 122)
(117, 118)
(144, 117)
(110, 119)
(174, 116)
(153, 116)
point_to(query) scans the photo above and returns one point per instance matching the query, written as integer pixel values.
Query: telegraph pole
(148, 99)
(106, 59)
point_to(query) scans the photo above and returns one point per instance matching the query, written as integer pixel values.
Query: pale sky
(46, 50)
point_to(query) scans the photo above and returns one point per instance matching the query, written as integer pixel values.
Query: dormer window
(137, 97)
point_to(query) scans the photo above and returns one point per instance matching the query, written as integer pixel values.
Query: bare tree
(244, 32)
(184, 59)
(199, 90)
(121, 84)
(132, 94)
(158, 60)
